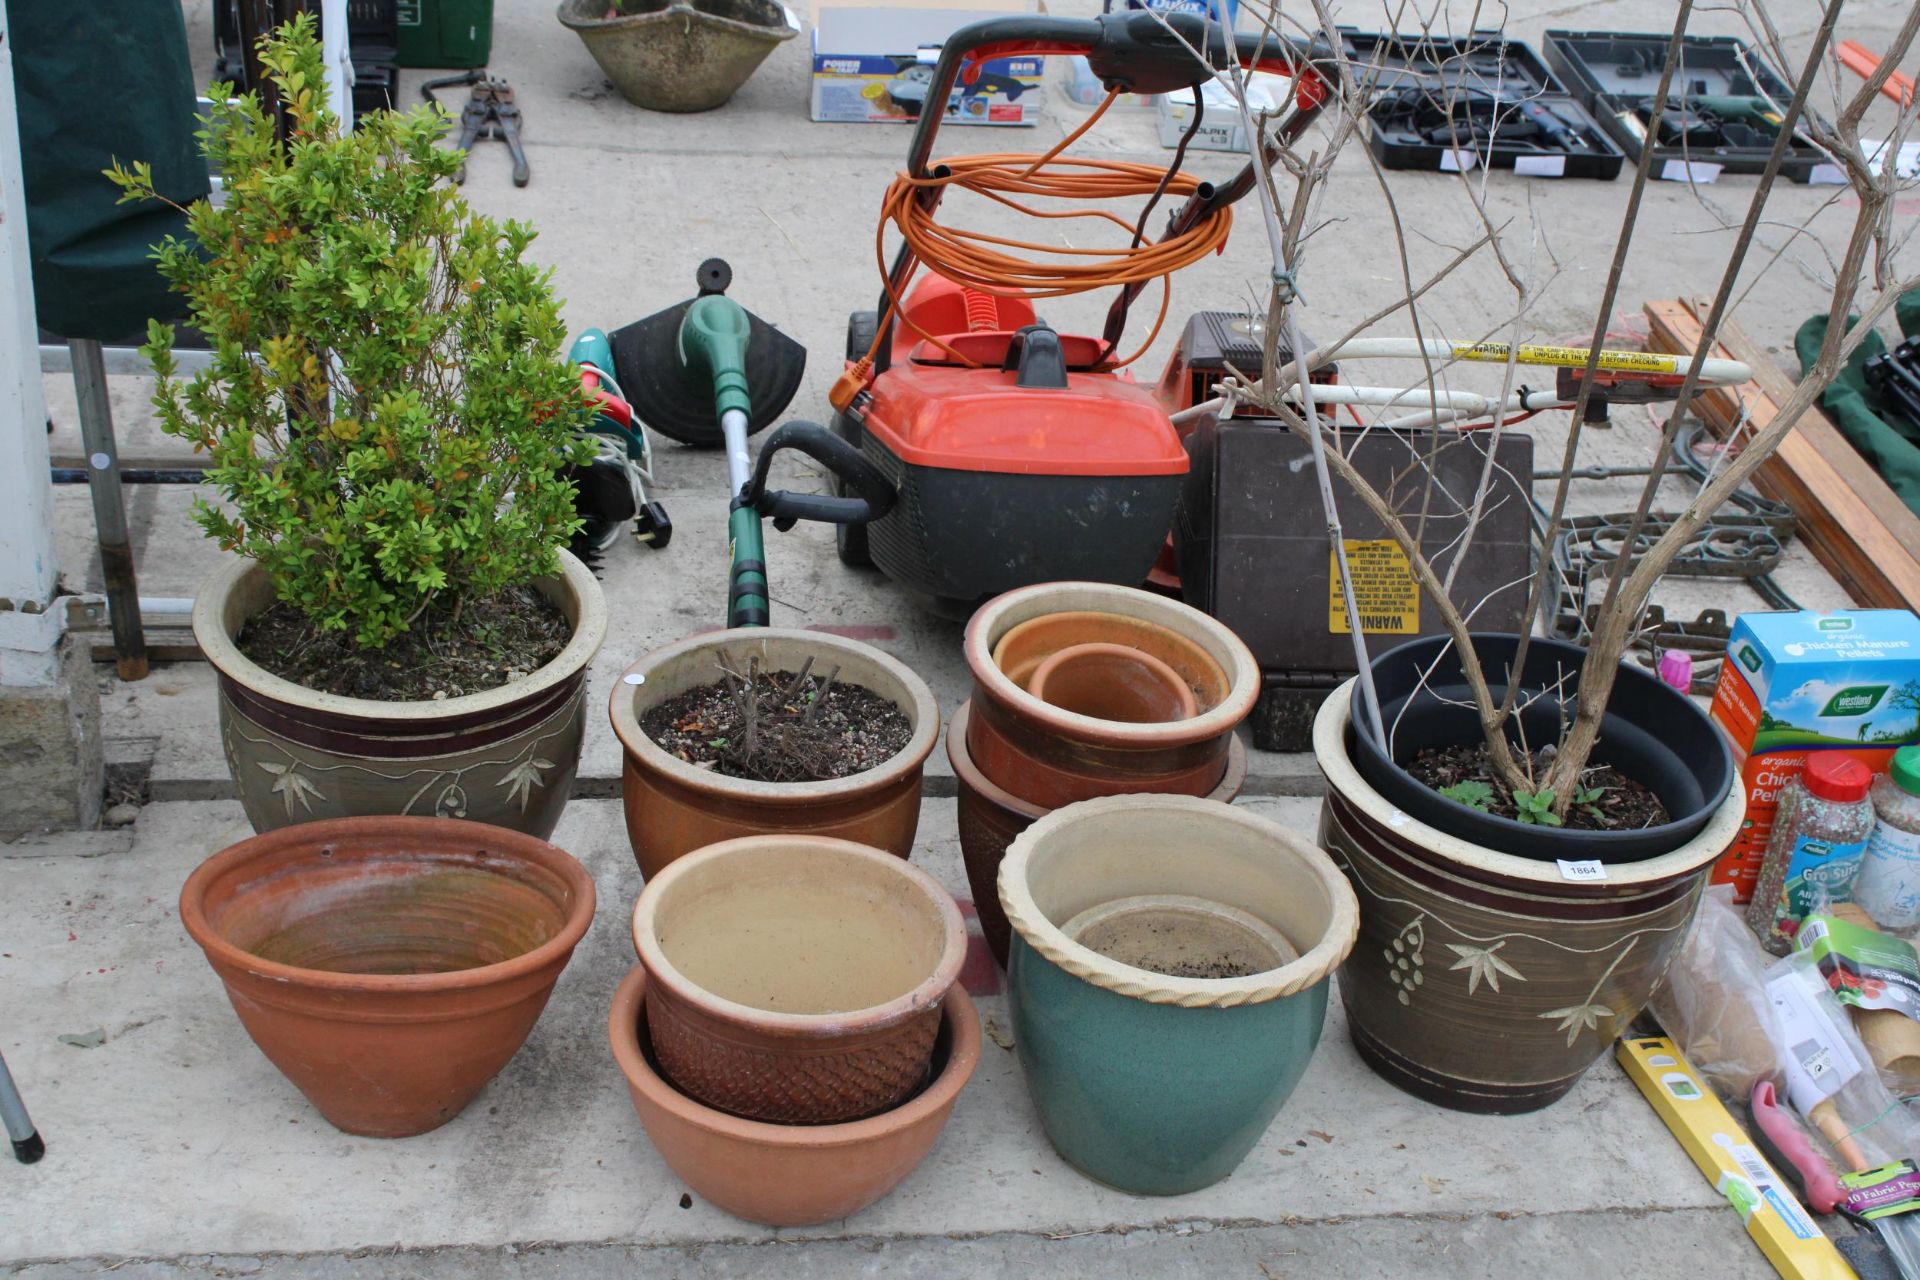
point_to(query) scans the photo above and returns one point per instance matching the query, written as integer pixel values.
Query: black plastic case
(373, 41)
(1480, 63)
(1613, 72)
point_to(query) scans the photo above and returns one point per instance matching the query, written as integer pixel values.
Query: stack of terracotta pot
(1082, 690)
(793, 1037)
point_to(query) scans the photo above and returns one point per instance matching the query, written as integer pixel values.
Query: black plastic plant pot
(1653, 734)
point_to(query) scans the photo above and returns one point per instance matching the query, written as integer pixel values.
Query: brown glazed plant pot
(790, 1175)
(389, 967)
(1021, 650)
(505, 757)
(990, 818)
(1484, 981)
(673, 807)
(1050, 757)
(796, 979)
(1113, 682)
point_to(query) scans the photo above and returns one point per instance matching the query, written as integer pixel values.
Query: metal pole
(28, 1145)
(109, 508)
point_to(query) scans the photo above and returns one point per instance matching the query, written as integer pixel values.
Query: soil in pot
(454, 648)
(1611, 801)
(780, 726)
(1182, 937)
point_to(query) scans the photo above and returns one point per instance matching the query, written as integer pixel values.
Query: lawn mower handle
(874, 494)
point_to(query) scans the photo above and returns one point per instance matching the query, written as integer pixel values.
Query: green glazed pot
(1152, 1082)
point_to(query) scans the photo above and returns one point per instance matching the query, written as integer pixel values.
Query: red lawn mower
(1019, 454)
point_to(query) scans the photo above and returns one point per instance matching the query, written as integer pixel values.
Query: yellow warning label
(1569, 357)
(1384, 589)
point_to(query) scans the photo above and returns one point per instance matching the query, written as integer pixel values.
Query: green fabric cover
(1882, 434)
(95, 80)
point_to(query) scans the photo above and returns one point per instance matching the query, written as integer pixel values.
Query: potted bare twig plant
(1519, 904)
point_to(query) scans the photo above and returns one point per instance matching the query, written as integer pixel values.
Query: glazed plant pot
(789, 1175)
(389, 967)
(683, 55)
(1150, 1079)
(796, 979)
(1112, 682)
(506, 757)
(1020, 651)
(1049, 756)
(1653, 733)
(990, 817)
(1484, 981)
(673, 807)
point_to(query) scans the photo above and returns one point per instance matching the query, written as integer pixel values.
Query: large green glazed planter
(1153, 1084)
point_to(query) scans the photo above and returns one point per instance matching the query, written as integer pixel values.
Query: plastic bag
(1714, 1000)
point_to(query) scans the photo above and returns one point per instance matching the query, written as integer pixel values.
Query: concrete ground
(176, 1149)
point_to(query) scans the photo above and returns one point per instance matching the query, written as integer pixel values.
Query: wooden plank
(1852, 522)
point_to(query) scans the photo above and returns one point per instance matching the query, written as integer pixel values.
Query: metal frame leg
(28, 1145)
(109, 507)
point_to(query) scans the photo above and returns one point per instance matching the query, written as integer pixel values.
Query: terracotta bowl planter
(389, 966)
(789, 1175)
(1113, 682)
(505, 757)
(1051, 757)
(1021, 650)
(796, 979)
(673, 807)
(680, 55)
(990, 817)
(1485, 981)
(1151, 1073)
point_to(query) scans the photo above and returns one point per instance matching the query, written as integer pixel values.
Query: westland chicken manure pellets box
(873, 64)
(1795, 683)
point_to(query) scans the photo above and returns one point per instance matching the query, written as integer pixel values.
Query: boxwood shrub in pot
(388, 423)
(1497, 959)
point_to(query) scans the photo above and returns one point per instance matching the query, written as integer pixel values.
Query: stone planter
(683, 55)
(673, 807)
(789, 1175)
(1484, 981)
(1050, 757)
(388, 966)
(505, 757)
(796, 979)
(990, 817)
(1152, 1083)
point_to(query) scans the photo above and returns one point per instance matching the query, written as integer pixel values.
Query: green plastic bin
(445, 33)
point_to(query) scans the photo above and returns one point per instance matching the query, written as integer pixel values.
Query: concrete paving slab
(178, 1098)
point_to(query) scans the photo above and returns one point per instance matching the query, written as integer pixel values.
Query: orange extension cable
(984, 262)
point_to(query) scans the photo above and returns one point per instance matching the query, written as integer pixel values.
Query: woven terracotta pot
(796, 979)
(673, 807)
(1484, 981)
(790, 1175)
(1050, 757)
(990, 818)
(389, 966)
(506, 756)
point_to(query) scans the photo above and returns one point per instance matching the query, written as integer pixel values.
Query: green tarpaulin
(1881, 434)
(96, 80)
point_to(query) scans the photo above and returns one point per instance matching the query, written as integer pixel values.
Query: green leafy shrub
(387, 414)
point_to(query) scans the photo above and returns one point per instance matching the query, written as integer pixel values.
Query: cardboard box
(1793, 683)
(1221, 128)
(872, 64)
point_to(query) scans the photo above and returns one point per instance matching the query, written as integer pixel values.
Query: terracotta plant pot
(790, 1175)
(1112, 682)
(673, 807)
(990, 818)
(796, 979)
(1485, 981)
(1050, 757)
(1153, 1083)
(683, 55)
(389, 966)
(1024, 647)
(505, 757)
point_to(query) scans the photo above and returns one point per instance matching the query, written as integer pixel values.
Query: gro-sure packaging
(1794, 683)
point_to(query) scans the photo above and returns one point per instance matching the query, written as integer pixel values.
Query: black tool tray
(1615, 73)
(1427, 96)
